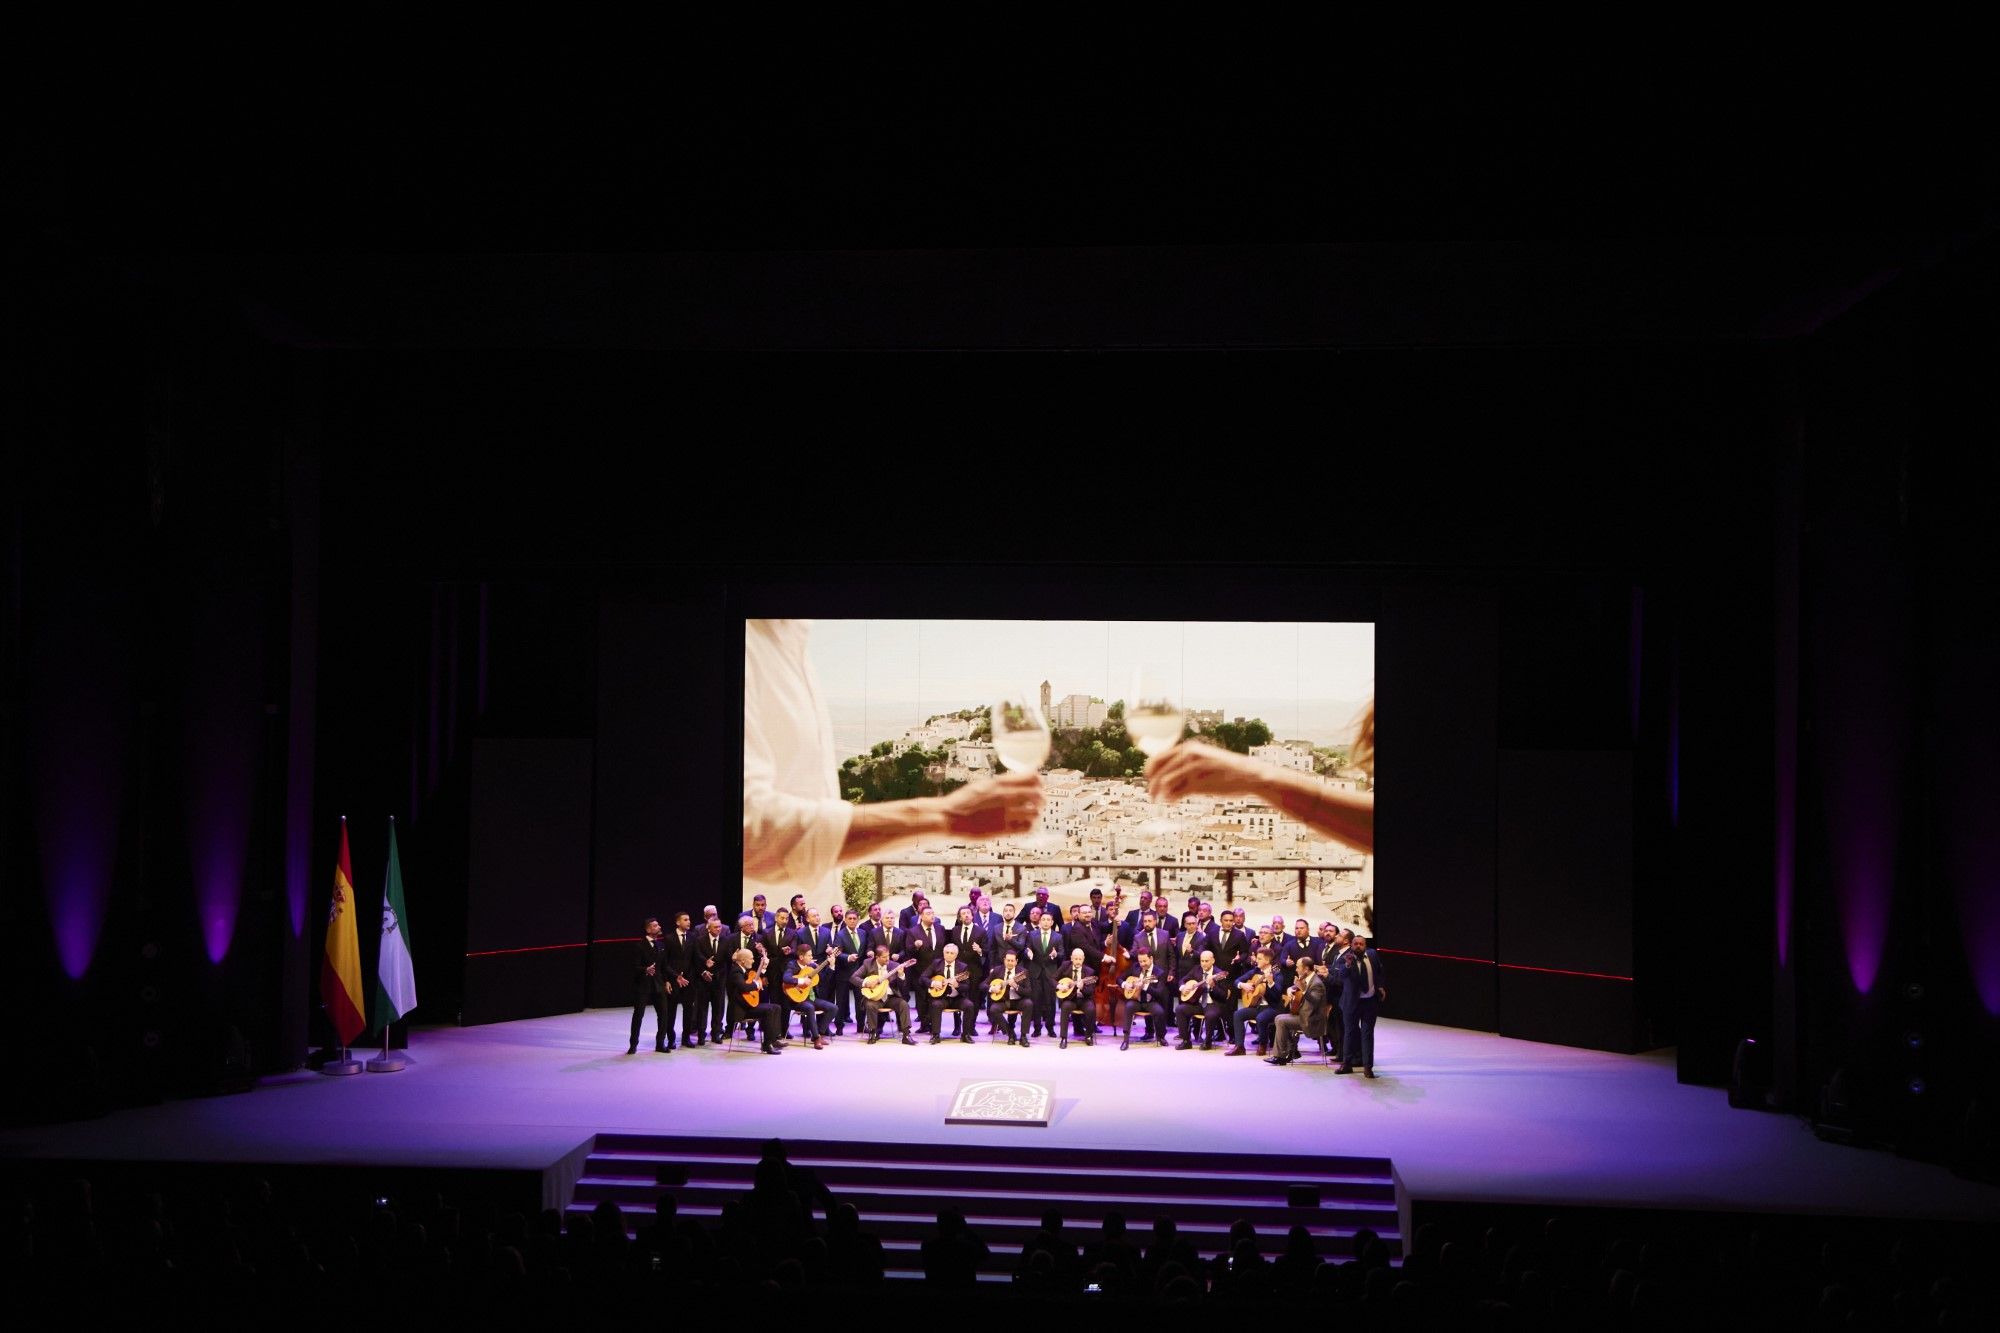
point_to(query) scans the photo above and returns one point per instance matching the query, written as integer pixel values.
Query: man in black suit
(1188, 946)
(748, 939)
(1044, 952)
(973, 951)
(1153, 940)
(959, 995)
(815, 1014)
(843, 940)
(1360, 980)
(1078, 1004)
(924, 941)
(677, 945)
(988, 921)
(1153, 986)
(1163, 908)
(1016, 1004)
(1211, 989)
(708, 963)
(1086, 933)
(650, 980)
(896, 1000)
(759, 912)
(744, 978)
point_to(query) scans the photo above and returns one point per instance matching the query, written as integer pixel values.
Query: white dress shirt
(794, 820)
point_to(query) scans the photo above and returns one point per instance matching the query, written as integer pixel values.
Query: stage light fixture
(1914, 1040)
(1917, 1087)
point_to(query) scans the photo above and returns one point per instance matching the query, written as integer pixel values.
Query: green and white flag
(395, 975)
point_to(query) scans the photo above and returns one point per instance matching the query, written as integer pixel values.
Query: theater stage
(1463, 1115)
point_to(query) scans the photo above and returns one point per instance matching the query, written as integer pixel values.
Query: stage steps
(1004, 1190)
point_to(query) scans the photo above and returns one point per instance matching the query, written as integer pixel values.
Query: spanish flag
(340, 970)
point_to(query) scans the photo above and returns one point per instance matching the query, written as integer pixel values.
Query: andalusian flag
(340, 970)
(395, 976)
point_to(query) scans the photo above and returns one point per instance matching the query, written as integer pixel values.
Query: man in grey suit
(1309, 1021)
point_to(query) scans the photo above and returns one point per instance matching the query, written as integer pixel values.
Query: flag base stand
(346, 1064)
(387, 1063)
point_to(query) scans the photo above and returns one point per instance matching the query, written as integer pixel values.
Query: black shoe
(1090, 1039)
(633, 1049)
(1063, 1044)
(1342, 1069)
(1125, 1045)
(874, 1037)
(908, 1040)
(1368, 1073)
(717, 1038)
(770, 1049)
(967, 1039)
(935, 1039)
(1024, 1043)
(839, 1029)
(662, 1050)
(1208, 1046)
(1185, 1046)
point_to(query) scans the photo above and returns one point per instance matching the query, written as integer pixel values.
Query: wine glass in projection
(1154, 719)
(1021, 742)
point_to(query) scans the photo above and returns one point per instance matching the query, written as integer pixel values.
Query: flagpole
(387, 1062)
(346, 1064)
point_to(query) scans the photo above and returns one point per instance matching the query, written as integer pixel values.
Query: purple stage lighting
(223, 710)
(79, 746)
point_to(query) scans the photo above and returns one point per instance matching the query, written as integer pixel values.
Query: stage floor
(1464, 1115)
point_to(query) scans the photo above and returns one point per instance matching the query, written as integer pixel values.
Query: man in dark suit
(1188, 946)
(1128, 929)
(989, 923)
(1211, 991)
(1077, 1005)
(1299, 944)
(815, 1014)
(1360, 983)
(1309, 1021)
(650, 982)
(744, 978)
(973, 951)
(843, 940)
(760, 913)
(1151, 1000)
(708, 963)
(749, 939)
(1086, 933)
(677, 946)
(924, 942)
(1163, 908)
(895, 1001)
(1153, 940)
(960, 995)
(1015, 1008)
(876, 931)
(1044, 953)
(910, 916)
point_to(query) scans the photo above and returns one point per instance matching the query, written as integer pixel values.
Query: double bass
(1111, 971)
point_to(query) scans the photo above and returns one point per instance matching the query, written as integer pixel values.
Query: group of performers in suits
(1033, 972)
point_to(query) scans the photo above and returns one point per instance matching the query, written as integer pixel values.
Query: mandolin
(1000, 987)
(939, 983)
(1190, 988)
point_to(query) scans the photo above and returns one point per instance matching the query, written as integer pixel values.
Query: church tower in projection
(1045, 703)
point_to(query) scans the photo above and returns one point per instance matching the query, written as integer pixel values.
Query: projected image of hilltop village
(911, 702)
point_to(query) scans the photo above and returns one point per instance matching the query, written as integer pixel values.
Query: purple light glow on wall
(1861, 723)
(223, 710)
(78, 750)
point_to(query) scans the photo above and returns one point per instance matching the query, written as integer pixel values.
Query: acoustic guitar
(877, 987)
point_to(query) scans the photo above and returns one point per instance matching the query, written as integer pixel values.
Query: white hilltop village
(1112, 826)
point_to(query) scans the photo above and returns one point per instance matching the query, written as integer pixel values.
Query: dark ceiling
(1234, 205)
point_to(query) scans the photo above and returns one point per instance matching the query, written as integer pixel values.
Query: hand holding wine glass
(1021, 743)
